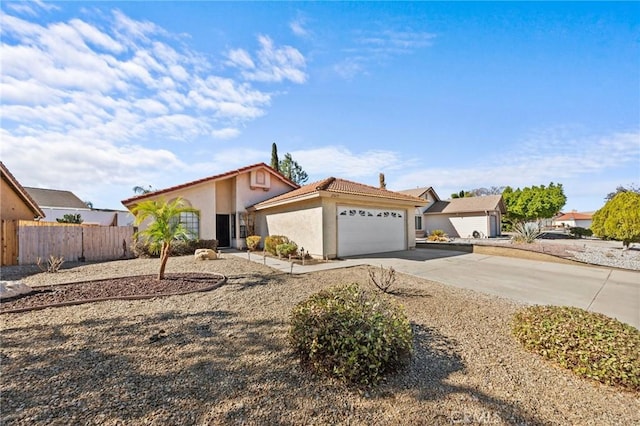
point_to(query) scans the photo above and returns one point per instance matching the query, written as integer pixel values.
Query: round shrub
(253, 242)
(273, 241)
(590, 344)
(351, 335)
(287, 249)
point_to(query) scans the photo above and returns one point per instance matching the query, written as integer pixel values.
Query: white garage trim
(363, 230)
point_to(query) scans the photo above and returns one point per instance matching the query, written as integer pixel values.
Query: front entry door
(222, 230)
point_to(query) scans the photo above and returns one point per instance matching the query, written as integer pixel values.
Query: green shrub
(287, 249)
(351, 335)
(438, 235)
(590, 344)
(253, 242)
(178, 248)
(273, 241)
(580, 232)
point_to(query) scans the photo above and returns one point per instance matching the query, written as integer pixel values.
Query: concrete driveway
(613, 292)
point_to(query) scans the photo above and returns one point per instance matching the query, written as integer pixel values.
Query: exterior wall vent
(260, 179)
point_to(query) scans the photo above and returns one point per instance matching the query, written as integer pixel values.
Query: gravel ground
(221, 357)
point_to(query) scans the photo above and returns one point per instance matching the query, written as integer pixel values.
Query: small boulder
(13, 288)
(205, 254)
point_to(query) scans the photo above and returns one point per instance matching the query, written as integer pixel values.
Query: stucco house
(459, 217)
(574, 219)
(56, 203)
(336, 218)
(222, 201)
(15, 202)
(330, 218)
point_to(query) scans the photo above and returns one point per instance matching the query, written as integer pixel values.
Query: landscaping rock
(13, 288)
(205, 254)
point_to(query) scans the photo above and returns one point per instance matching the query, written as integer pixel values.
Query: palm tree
(165, 225)
(142, 190)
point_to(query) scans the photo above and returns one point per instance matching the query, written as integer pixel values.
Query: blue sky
(99, 97)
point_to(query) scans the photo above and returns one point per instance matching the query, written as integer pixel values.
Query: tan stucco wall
(12, 206)
(314, 224)
(225, 196)
(301, 223)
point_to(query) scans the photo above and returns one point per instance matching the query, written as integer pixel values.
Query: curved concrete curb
(104, 299)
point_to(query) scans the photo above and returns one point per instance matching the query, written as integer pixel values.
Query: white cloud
(85, 95)
(561, 155)
(240, 58)
(273, 64)
(374, 47)
(339, 161)
(297, 26)
(30, 7)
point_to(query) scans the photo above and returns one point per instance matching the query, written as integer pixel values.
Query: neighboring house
(336, 218)
(15, 201)
(57, 203)
(574, 219)
(330, 218)
(430, 196)
(460, 217)
(222, 201)
(468, 217)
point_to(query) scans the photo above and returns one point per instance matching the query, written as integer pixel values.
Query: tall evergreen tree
(275, 163)
(292, 170)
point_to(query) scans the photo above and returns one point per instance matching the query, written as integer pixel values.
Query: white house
(459, 217)
(574, 219)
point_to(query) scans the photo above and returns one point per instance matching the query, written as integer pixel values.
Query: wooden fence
(23, 242)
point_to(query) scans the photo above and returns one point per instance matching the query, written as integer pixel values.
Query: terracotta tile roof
(21, 191)
(56, 198)
(468, 205)
(230, 173)
(574, 216)
(340, 186)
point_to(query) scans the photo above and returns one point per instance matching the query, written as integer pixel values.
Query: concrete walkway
(613, 292)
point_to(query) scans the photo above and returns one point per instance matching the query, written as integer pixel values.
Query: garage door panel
(366, 230)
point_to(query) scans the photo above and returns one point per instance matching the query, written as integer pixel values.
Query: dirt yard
(222, 357)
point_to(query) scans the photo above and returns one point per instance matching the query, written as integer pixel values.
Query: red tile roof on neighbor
(574, 216)
(19, 189)
(228, 174)
(339, 186)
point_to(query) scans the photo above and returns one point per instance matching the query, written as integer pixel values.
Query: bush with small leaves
(178, 248)
(580, 232)
(287, 249)
(351, 335)
(253, 242)
(273, 241)
(592, 345)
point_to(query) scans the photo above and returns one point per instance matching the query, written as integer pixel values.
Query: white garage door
(365, 230)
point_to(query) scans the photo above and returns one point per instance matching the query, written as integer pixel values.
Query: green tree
(70, 218)
(275, 163)
(619, 219)
(292, 170)
(462, 194)
(533, 203)
(165, 226)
